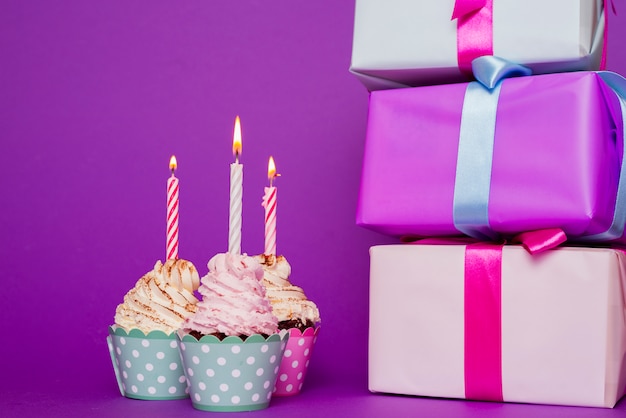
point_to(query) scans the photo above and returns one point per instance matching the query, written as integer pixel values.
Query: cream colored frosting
(234, 301)
(289, 302)
(162, 299)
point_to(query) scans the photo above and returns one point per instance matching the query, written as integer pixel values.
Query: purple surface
(95, 97)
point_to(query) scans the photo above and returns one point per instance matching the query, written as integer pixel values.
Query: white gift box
(563, 324)
(400, 43)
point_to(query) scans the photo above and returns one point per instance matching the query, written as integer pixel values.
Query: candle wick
(236, 157)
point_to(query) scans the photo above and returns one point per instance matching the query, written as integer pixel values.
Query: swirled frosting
(234, 300)
(162, 299)
(289, 302)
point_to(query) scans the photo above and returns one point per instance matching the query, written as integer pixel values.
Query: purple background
(95, 97)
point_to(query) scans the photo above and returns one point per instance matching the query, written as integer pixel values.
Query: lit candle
(172, 213)
(269, 203)
(236, 194)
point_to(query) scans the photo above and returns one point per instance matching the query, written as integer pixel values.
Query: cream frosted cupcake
(230, 347)
(297, 315)
(142, 341)
(289, 302)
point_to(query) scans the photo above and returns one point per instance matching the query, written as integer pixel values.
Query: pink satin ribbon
(474, 37)
(474, 31)
(483, 328)
(534, 242)
(483, 306)
(541, 240)
(605, 39)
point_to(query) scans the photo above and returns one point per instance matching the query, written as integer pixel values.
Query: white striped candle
(236, 194)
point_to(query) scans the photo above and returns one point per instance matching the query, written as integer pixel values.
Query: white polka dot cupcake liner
(231, 375)
(147, 367)
(295, 362)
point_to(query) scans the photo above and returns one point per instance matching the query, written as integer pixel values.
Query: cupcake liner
(295, 362)
(115, 362)
(232, 375)
(148, 366)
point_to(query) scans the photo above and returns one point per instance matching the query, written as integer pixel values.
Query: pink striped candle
(172, 213)
(236, 194)
(269, 203)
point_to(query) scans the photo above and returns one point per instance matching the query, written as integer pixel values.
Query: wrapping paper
(555, 158)
(400, 43)
(562, 323)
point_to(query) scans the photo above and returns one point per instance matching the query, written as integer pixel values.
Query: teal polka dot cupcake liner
(232, 375)
(148, 366)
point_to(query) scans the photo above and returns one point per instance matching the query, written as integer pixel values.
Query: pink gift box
(556, 157)
(401, 43)
(560, 328)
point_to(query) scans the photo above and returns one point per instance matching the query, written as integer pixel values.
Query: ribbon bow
(475, 152)
(475, 31)
(465, 7)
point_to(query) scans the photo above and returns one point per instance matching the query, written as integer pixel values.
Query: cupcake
(230, 348)
(297, 315)
(142, 341)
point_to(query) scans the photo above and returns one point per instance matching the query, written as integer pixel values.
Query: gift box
(535, 152)
(401, 43)
(489, 322)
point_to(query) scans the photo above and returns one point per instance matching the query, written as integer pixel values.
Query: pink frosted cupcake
(298, 316)
(231, 348)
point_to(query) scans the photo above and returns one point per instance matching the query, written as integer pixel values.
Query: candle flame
(173, 164)
(237, 138)
(271, 169)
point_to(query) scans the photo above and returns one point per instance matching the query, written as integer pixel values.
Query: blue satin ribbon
(618, 84)
(474, 160)
(475, 155)
(476, 141)
(490, 70)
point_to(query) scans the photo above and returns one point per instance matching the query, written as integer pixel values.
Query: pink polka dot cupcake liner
(231, 375)
(147, 367)
(295, 362)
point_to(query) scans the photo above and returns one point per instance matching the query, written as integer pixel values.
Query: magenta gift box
(554, 331)
(555, 159)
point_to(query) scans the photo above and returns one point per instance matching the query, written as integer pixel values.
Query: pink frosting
(234, 301)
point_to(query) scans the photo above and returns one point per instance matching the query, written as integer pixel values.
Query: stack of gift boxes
(494, 148)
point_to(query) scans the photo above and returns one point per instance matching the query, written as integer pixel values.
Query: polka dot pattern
(294, 365)
(231, 376)
(148, 368)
